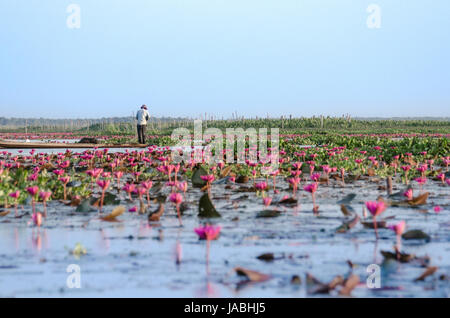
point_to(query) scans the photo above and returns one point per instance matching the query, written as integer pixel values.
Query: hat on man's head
(144, 106)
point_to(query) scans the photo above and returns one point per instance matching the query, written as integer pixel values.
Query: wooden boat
(54, 145)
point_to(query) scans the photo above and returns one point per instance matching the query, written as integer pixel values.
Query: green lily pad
(196, 177)
(347, 199)
(85, 206)
(206, 209)
(268, 214)
(416, 235)
(110, 199)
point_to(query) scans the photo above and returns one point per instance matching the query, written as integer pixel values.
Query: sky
(254, 57)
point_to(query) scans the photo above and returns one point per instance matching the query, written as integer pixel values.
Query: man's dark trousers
(141, 133)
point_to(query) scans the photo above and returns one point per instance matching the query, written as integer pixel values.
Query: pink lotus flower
(129, 188)
(408, 194)
(376, 207)
(58, 172)
(64, 180)
(95, 173)
(261, 186)
(37, 218)
(15, 194)
(398, 228)
(311, 188)
(182, 186)
(33, 190)
(267, 201)
(176, 198)
(437, 209)
(208, 178)
(45, 195)
(132, 209)
(103, 184)
(315, 177)
(208, 232)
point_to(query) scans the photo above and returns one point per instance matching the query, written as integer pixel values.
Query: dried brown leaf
(252, 276)
(114, 214)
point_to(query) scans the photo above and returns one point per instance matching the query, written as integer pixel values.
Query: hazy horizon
(261, 57)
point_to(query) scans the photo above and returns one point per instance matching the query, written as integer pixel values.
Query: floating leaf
(222, 181)
(419, 200)
(226, 171)
(242, 179)
(206, 209)
(348, 225)
(288, 201)
(296, 280)
(268, 214)
(349, 284)
(196, 179)
(267, 257)
(429, 271)
(416, 235)
(110, 199)
(317, 287)
(85, 206)
(252, 276)
(156, 215)
(4, 213)
(346, 210)
(114, 214)
(397, 256)
(347, 199)
(369, 225)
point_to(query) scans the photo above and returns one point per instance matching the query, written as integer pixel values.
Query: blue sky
(188, 57)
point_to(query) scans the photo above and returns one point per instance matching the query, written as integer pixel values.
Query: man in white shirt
(142, 116)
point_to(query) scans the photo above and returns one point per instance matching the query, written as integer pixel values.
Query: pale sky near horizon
(256, 57)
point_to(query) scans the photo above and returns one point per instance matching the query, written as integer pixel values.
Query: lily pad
(416, 235)
(206, 209)
(196, 177)
(85, 206)
(347, 199)
(347, 225)
(268, 214)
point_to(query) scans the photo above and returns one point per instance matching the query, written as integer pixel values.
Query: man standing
(142, 116)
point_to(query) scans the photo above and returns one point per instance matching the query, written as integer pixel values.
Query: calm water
(137, 259)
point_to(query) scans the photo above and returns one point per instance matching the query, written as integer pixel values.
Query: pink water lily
(312, 188)
(398, 228)
(45, 195)
(408, 194)
(208, 232)
(103, 184)
(129, 188)
(267, 201)
(261, 186)
(375, 208)
(15, 195)
(177, 198)
(36, 218)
